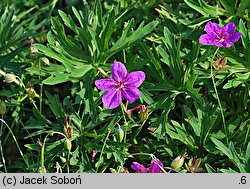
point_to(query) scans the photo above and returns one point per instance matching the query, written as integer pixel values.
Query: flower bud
(143, 113)
(44, 61)
(33, 50)
(193, 165)
(68, 144)
(9, 78)
(2, 107)
(93, 154)
(31, 92)
(68, 130)
(120, 134)
(220, 64)
(41, 170)
(178, 161)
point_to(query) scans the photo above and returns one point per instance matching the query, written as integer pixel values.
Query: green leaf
(220, 146)
(59, 78)
(247, 158)
(209, 168)
(232, 83)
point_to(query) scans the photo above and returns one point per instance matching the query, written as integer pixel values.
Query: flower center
(221, 37)
(120, 85)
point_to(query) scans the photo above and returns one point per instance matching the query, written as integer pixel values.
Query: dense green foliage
(56, 50)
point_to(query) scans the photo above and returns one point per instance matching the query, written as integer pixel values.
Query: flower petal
(213, 29)
(224, 44)
(154, 168)
(105, 84)
(229, 28)
(138, 167)
(112, 98)
(207, 39)
(235, 37)
(131, 94)
(119, 71)
(135, 79)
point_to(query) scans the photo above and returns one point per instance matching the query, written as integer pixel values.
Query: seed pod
(9, 78)
(70, 131)
(31, 92)
(220, 64)
(2, 107)
(143, 113)
(120, 134)
(178, 161)
(44, 61)
(41, 170)
(68, 144)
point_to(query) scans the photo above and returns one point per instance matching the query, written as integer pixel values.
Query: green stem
(125, 120)
(68, 156)
(8, 134)
(19, 149)
(124, 56)
(247, 134)
(103, 147)
(1, 147)
(41, 97)
(102, 72)
(217, 96)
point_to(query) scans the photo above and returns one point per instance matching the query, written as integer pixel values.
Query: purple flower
(120, 85)
(138, 167)
(154, 167)
(220, 36)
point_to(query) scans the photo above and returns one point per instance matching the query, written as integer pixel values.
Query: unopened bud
(93, 154)
(44, 61)
(33, 50)
(220, 64)
(2, 107)
(41, 170)
(68, 130)
(143, 113)
(68, 144)
(178, 161)
(120, 134)
(193, 165)
(31, 92)
(9, 78)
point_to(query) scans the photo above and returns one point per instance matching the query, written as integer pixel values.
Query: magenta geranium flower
(154, 167)
(220, 36)
(138, 167)
(120, 85)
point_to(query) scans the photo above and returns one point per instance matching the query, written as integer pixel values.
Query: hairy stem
(217, 96)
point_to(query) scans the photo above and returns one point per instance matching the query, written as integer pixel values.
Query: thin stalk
(217, 96)
(8, 134)
(125, 120)
(34, 104)
(124, 56)
(104, 144)
(68, 156)
(247, 134)
(19, 149)
(41, 97)
(102, 72)
(1, 147)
